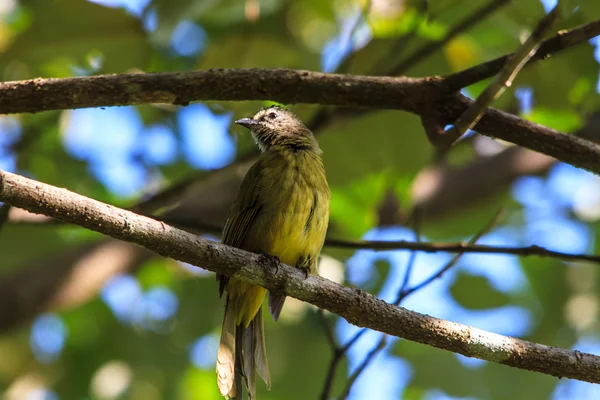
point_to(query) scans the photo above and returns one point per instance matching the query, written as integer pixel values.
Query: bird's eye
(272, 115)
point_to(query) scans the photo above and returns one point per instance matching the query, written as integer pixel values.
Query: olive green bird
(282, 211)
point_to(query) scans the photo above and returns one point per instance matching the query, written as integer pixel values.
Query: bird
(282, 213)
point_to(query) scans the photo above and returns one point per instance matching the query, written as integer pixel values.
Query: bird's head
(276, 126)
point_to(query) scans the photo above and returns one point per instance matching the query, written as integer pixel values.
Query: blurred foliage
(366, 156)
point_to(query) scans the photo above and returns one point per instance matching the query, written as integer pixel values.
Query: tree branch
(379, 245)
(404, 291)
(181, 88)
(507, 74)
(432, 247)
(428, 247)
(422, 96)
(356, 306)
(573, 150)
(563, 40)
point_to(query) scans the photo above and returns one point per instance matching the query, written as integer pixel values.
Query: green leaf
(68, 31)
(563, 120)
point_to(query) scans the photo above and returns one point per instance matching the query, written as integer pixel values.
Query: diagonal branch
(505, 77)
(405, 291)
(356, 306)
(563, 40)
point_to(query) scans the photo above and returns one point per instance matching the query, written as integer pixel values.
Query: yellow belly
(291, 230)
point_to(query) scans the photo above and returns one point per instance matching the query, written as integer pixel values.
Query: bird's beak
(247, 122)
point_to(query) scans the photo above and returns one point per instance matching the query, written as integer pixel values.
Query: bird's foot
(306, 271)
(273, 261)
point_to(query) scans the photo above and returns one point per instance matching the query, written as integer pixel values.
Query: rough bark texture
(423, 96)
(356, 306)
(181, 88)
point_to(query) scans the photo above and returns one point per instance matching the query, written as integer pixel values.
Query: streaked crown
(276, 125)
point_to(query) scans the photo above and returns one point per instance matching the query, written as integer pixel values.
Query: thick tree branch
(421, 96)
(356, 306)
(283, 85)
(563, 40)
(573, 150)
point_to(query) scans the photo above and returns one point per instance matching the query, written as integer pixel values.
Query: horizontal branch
(522, 251)
(422, 96)
(181, 88)
(356, 306)
(382, 245)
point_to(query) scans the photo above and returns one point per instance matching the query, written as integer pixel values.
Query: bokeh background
(86, 317)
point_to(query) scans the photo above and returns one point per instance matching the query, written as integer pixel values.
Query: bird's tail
(241, 355)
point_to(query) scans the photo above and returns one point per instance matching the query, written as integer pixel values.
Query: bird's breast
(298, 211)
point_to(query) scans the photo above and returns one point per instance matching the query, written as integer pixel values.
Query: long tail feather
(248, 370)
(260, 351)
(242, 354)
(226, 355)
(254, 355)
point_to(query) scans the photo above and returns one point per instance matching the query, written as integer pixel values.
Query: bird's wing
(243, 213)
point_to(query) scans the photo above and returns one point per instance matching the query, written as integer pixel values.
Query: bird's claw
(306, 271)
(273, 261)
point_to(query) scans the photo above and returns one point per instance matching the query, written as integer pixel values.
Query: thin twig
(363, 365)
(336, 354)
(416, 218)
(328, 331)
(382, 342)
(404, 292)
(493, 222)
(339, 353)
(521, 251)
(563, 40)
(380, 245)
(335, 359)
(427, 247)
(505, 77)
